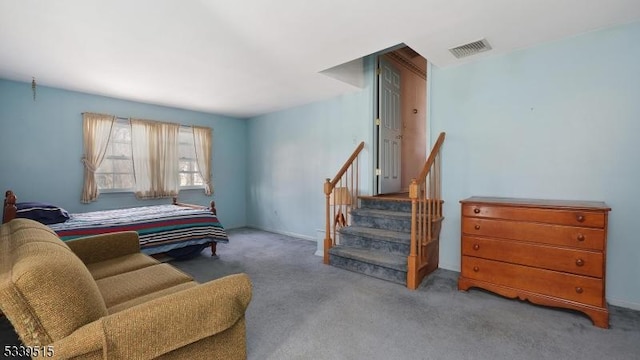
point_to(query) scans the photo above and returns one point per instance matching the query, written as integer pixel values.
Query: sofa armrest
(86, 340)
(162, 325)
(165, 324)
(103, 247)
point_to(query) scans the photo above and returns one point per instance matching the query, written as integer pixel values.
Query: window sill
(115, 191)
(198, 187)
(121, 191)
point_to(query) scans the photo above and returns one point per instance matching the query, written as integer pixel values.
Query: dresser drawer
(581, 262)
(585, 238)
(582, 289)
(551, 216)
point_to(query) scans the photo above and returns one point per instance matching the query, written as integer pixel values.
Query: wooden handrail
(346, 165)
(426, 217)
(329, 185)
(432, 157)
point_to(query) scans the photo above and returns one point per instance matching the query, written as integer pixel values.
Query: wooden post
(327, 229)
(9, 209)
(412, 265)
(212, 208)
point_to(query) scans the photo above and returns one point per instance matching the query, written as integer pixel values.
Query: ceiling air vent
(470, 48)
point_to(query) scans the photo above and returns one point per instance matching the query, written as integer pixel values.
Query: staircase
(394, 238)
(377, 241)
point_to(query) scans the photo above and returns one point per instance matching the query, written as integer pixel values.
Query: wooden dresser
(547, 252)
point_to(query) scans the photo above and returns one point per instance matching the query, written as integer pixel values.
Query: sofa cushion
(120, 265)
(154, 295)
(44, 300)
(124, 287)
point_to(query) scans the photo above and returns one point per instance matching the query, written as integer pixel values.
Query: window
(189, 173)
(116, 171)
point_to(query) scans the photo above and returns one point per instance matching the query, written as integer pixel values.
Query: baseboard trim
(624, 304)
(287, 233)
(447, 266)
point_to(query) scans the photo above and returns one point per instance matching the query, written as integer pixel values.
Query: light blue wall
(558, 121)
(291, 152)
(41, 147)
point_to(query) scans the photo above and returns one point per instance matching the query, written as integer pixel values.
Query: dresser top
(538, 203)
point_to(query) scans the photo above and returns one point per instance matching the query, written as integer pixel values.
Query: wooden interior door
(414, 126)
(389, 128)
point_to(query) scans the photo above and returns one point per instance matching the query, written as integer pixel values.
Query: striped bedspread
(157, 226)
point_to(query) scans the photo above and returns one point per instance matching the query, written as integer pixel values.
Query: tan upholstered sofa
(100, 298)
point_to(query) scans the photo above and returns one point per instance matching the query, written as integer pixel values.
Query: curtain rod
(129, 118)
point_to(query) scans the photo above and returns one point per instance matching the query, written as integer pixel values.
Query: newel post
(412, 259)
(9, 209)
(327, 230)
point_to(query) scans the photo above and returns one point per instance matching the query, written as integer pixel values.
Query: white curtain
(202, 143)
(155, 158)
(96, 132)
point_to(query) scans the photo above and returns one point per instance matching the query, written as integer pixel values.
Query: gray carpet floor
(302, 309)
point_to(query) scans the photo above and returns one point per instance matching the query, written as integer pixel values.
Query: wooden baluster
(340, 205)
(333, 217)
(327, 228)
(412, 265)
(439, 185)
(424, 212)
(357, 191)
(350, 196)
(430, 200)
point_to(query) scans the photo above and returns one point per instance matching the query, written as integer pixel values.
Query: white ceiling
(247, 57)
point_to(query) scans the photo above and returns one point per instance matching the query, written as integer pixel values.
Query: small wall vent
(470, 48)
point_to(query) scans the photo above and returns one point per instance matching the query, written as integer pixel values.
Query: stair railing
(341, 196)
(425, 193)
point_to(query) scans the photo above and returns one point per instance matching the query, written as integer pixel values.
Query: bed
(177, 229)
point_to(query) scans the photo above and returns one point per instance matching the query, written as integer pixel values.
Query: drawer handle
(579, 262)
(476, 247)
(477, 227)
(476, 269)
(580, 218)
(580, 237)
(476, 210)
(579, 290)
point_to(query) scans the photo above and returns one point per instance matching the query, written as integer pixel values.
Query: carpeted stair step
(370, 262)
(392, 242)
(385, 204)
(381, 219)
